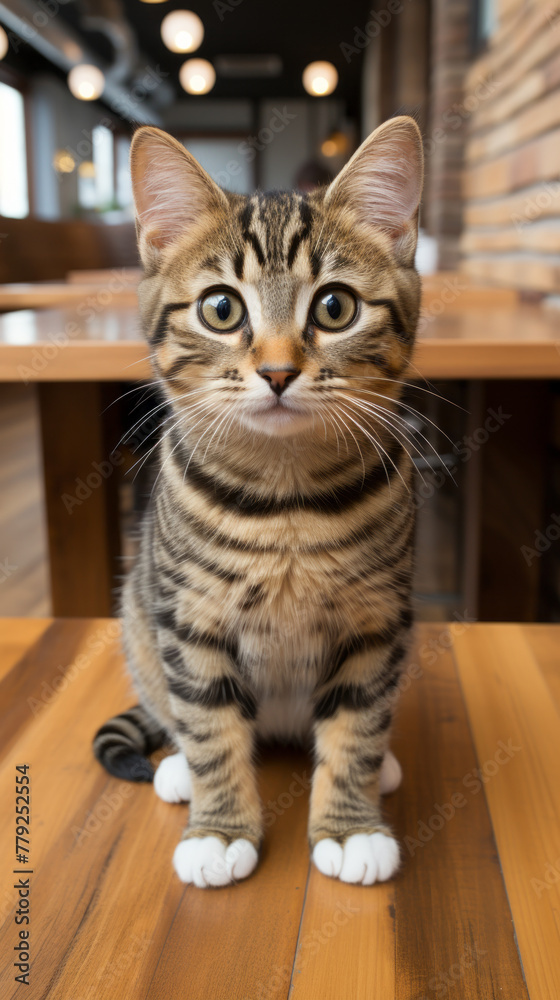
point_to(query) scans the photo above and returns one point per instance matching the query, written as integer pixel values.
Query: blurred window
(484, 23)
(14, 196)
(227, 160)
(96, 177)
(124, 183)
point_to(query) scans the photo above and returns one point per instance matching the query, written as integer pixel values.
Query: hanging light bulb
(4, 43)
(320, 79)
(86, 82)
(182, 31)
(197, 76)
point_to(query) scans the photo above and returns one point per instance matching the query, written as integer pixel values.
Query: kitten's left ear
(382, 184)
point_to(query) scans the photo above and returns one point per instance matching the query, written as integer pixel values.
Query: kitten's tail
(123, 743)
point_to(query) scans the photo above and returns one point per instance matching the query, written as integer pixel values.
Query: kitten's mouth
(277, 415)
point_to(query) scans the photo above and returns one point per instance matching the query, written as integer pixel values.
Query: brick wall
(511, 185)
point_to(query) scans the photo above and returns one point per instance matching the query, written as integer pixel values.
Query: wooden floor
(472, 914)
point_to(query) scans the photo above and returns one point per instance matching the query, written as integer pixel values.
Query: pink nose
(278, 380)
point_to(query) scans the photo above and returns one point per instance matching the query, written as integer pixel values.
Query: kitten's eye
(222, 311)
(333, 309)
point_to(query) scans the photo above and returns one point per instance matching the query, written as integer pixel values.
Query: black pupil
(223, 309)
(334, 307)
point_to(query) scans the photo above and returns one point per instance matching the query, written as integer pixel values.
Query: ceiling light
(4, 43)
(336, 144)
(197, 76)
(63, 162)
(320, 78)
(182, 31)
(86, 82)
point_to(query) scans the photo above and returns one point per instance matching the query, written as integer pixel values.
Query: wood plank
(112, 926)
(34, 678)
(81, 497)
(262, 915)
(47, 295)
(17, 635)
(544, 643)
(401, 931)
(508, 700)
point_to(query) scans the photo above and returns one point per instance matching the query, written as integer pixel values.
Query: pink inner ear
(391, 184)
(384, 182)
(169, 192)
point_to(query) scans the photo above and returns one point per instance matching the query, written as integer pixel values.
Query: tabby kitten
(271, 595)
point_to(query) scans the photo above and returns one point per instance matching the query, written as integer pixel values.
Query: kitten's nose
(279, 379)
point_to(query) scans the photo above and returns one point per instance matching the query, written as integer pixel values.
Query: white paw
(390, 775)
(207, 861)
(364, 858)
(172, 780)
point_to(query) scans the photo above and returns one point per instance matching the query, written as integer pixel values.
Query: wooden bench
(472, 913)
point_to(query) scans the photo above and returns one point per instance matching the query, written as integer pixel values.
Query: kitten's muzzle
(279, 379)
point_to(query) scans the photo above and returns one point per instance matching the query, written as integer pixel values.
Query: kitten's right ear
(171, 190)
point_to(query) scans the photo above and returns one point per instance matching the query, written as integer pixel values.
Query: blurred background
(279, 96)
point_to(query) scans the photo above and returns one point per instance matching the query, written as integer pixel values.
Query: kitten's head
(279, 312)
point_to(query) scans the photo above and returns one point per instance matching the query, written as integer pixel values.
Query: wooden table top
(57, 294)
(472, 913)
(96, 342)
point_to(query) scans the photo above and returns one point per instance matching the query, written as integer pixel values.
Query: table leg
(513, 439)
(81, 481)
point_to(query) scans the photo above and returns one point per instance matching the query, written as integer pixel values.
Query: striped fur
(271, 594)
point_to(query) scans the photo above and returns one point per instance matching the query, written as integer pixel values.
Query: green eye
(333, 309)
(222, 311)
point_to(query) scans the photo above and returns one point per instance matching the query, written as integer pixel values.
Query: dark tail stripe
(121, 745)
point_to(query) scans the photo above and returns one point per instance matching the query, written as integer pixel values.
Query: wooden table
(77, 355)
(471, 914)
(97, 343)
(57, 294)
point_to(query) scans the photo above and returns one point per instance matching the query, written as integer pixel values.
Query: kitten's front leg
(348, 837)
(214, 728)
